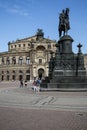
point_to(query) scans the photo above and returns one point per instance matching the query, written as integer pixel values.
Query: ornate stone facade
(85, 62)
(27, 58)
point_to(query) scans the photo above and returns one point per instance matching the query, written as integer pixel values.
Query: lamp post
(77, 59)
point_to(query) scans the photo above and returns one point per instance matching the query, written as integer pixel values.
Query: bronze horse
(64, 25)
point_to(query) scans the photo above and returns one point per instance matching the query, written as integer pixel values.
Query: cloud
(15, 8)
(18, 10)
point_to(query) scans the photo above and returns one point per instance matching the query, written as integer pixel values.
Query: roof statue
(40, 32)
(64, 24)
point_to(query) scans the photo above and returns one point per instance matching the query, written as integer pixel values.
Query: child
(34, 86)
(26, 83)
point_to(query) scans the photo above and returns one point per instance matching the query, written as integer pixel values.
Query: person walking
(35, 86)
(38, 84)
(21, 83)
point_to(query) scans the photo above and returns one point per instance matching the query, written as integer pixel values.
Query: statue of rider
(64, 24)
(61, 17)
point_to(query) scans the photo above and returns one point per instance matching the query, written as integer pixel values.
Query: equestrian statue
(64, 24)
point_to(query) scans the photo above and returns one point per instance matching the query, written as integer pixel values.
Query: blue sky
(21, 18)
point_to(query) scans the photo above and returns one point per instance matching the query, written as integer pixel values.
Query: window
(27, 71)
(20, 60)
(20, 71)
(40, 61)
(23, 45)
(49, 46)
(13, 77)
(7, 72)
(7, 61)
(19, 45)
(2, 77)
(13, 60)
(3, 60)
(13, 71)
(27, 60)
(28, 44)
(7, 77)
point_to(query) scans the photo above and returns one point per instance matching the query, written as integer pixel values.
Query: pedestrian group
(35, 84)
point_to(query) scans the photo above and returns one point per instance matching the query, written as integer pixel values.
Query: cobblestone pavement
(22, 109)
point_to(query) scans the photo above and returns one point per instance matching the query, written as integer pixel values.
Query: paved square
(22, 109)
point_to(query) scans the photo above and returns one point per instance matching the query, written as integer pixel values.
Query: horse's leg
(65, 30)
(59, 32)
(64, 33)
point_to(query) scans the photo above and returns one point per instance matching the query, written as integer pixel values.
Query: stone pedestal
(68, 69)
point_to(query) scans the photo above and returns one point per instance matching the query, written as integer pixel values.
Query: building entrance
(20, 77)
(27, 77)
(40, 73)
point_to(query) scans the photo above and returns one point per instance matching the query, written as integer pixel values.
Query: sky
(21, 18)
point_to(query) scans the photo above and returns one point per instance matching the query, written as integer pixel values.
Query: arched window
(13, 60)
(2, 77)
(29, 44)
(13, 77)
(27, 74)
(7, 77)
(49, 46)
(27, 71)
(7, 72)
(27, 60)
(40, 48)
(13, 71)
(20, 60)
(23, 45)
(3, 60)
(20, 71)
(7, 61)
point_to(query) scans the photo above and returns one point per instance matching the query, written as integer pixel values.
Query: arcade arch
(41, 73)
